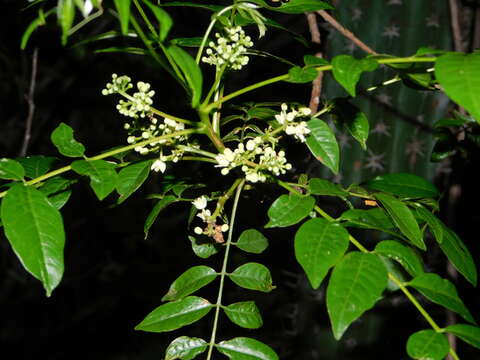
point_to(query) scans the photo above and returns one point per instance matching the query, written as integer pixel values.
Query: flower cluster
(137, 104)
(256, 159)
(296, 128)
(212, 229)
(230, 49)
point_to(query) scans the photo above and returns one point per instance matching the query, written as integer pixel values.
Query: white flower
(200, 203)
(159, 165)
(204, 214)
(224, 228)
(198, 230)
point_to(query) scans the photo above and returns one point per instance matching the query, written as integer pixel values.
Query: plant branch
(317, 83)
(345, 32)
(105, 155)
(455, 24)
(31, 105)
(238, 184)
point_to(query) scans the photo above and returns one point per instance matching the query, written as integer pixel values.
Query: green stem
(239, 185)
(177, 119)
(320, 68)
(85, 21)
(223, 199)
(105, 155)
(198, 158)
(197, 151)
(209, 131)
(145, 19)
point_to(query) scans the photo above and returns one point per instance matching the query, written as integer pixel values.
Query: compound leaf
(190, 281)
(252, 241)
(253, 276)
(244, 314)
(243, 348)
(185, 348)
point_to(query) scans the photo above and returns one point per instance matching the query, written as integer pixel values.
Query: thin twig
(476, 35)
(345, 32)
(317, 83)
(455, 23)
(31, 105)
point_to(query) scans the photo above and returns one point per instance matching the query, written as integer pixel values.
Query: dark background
(113, 277)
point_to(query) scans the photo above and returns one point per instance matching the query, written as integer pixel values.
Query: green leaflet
(123, 9)
(185, 348)
(325, 187)
(354, 120)
(435, 225)
(11, 170)
(62, 138)
(468, 333)
(347, 70)
(300, 75)
(442, 292)
(375, 218)
(35, 231)
(244, 314)
(65, 16)
(203, 250)
(190, 281)
(403, 218)
(102, 174)
(243, 348)
(459, 76)
(403, 185)
(36, 165)
(131, 178)
(323, 144)
(190, 70)
(252, 241)
(355, 286)
(159, 206)
(253, 276)
(319, 245)
(427, 344)
(289, 209)
(175, 315)
(404, 255)
(163, 18)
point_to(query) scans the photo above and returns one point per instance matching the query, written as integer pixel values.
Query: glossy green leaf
(435, 225)
(190, 70)
(36, 165)
(35, 231)
(289, 209)
(314, 60)
(323, 144)
(458, 254)
(102, 174)
(404, 185)
(37, 22)
(159, 206)
(319, 245)
(403, 218)
(427, 345)
(203, 250)
(347, 70)
(190, 281)
(252, 241)
(56, 185)
(459, 76)
(442, 292)
(163, 19)
(356, 284)
(298, 6)
(354, 120)
(468, 333)
(325, 187)
(300, 75)
(185, 348)
(244, 314)
(123, 9)
(404, 255)
(65, 16)
(174, 315)
(11, 169)
(375, 218)
(131, 178)
(253, 276)
(60, 199)
(62, 138)
(243, 348)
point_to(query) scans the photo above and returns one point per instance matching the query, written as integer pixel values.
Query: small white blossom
(159, 165)
(200, 203)
(198, 230)
(204, 215)
(224, 228)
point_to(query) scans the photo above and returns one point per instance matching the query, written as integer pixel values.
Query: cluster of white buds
(256, 159)
(296, 128)
(119, 84)
(230, 49)
(138, 104)
(212, 229)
